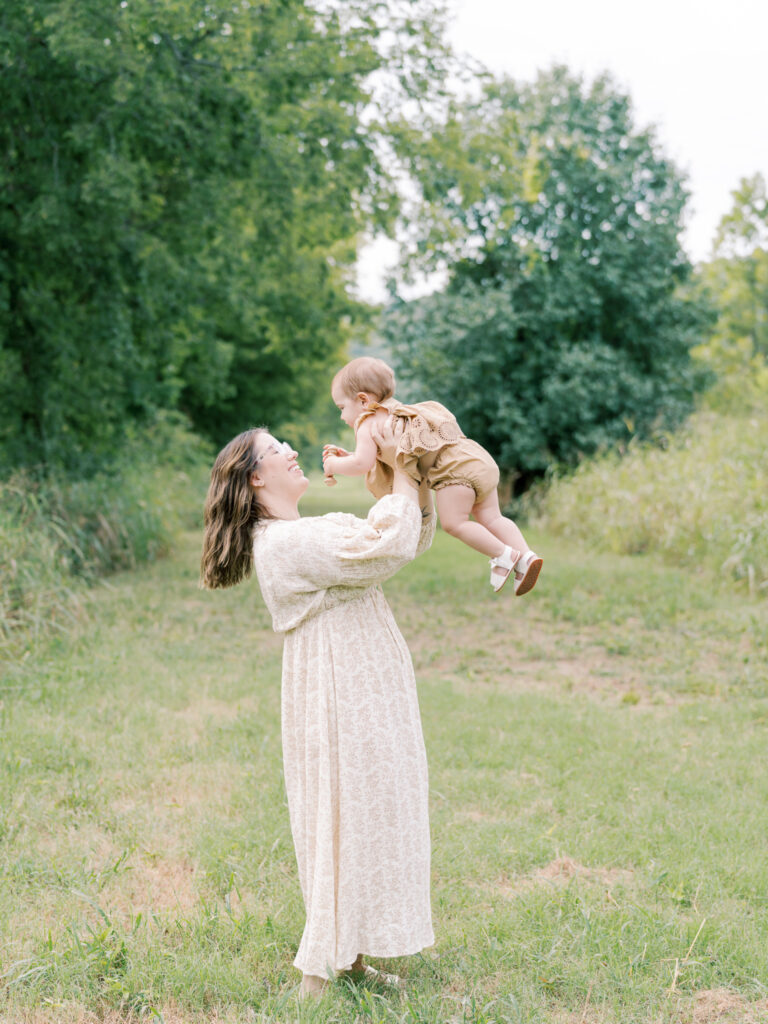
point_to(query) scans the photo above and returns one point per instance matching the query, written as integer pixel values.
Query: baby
(432, 447)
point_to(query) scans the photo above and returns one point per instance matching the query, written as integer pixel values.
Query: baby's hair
(367, 374)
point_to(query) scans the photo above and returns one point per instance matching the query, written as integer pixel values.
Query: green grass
(598, 801)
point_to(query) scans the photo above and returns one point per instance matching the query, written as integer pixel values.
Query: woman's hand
(387, 437)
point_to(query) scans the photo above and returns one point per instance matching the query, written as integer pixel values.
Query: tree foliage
(562, 327)
(737, 280)
(181, 190)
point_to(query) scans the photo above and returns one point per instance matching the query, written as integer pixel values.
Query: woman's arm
(428, 518)
(426, 502)
(316, 553)
(388, 439)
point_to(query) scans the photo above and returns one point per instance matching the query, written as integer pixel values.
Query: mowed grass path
(599, 802)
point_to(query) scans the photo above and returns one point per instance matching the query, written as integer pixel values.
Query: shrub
(37, 591)
(701, 499)
(58, 534)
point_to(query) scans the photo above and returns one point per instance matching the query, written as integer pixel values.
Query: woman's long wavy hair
(231, 512)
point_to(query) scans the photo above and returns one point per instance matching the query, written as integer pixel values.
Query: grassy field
(599, 802)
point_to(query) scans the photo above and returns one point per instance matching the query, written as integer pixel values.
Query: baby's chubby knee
(454, 526)
(490, 522)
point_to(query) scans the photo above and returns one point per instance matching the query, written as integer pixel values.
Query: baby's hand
(330, 452)
(333, 449)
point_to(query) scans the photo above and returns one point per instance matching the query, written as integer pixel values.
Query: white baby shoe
(527, 570)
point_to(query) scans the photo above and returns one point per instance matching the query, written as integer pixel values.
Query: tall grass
(37, 591)
(701, 500)
(58, 534)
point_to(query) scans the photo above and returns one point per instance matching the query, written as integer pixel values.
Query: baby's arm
(360, 461)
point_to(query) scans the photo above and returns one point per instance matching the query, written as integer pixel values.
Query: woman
(353, 751)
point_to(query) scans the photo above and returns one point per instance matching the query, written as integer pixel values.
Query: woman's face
(277, 471)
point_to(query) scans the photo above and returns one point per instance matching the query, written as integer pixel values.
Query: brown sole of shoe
(528, 582)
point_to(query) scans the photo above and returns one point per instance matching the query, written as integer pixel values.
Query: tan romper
(432, 448)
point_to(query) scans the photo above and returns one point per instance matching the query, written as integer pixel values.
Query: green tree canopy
(182, 185)
(737, 279)
(562, 327)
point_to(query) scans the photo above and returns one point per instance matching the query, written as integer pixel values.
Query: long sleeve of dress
(366, 551)
(304, 565)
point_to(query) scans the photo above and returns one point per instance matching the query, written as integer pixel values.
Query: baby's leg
(528, 567)
(454, 505)
(488, 513)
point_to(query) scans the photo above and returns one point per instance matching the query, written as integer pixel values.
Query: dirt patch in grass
(160, 876)
(179, 790)
(65, 1013)
(120, 882)
(588, 1015)
(192, 786)
(486, 660)
(193, 722)
(154, 885)
(563, 870)
(710, 1006)
(721, 1006)
(527, 655)
(72, 1013)
(201, 709)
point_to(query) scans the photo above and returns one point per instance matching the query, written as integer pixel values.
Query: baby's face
(350, 406)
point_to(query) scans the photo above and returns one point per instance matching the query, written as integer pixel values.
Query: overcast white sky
(697, 69)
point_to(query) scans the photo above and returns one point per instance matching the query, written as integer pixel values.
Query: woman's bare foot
(358, 967)
(312, 985)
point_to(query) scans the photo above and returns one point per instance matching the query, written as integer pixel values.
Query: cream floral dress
(353, 750)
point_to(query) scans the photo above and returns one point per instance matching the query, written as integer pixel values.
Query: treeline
(182, 187)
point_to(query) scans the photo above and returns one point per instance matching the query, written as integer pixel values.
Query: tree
(737, 279)
(182, 186)
(562, 327)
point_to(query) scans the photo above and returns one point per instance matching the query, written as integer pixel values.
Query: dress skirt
(356, 778)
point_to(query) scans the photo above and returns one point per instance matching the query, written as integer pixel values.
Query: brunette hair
(231, 512)
(367, 374)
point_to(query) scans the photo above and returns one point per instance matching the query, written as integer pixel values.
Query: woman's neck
(282, 508)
